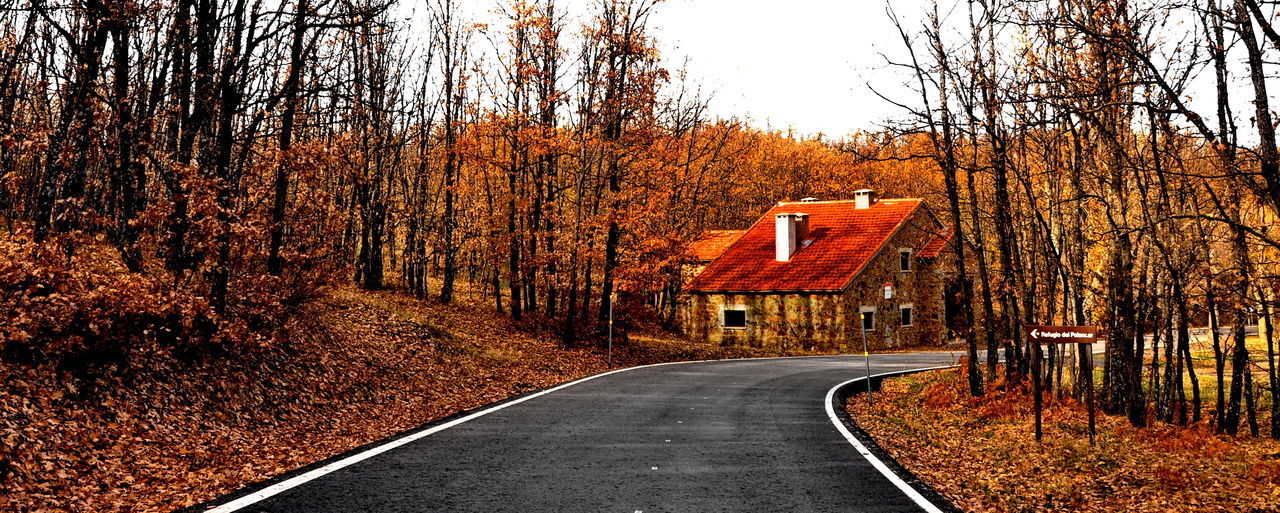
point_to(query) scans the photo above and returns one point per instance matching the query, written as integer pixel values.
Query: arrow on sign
(1035, 333)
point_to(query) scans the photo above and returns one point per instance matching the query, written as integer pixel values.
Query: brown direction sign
(1062, 334)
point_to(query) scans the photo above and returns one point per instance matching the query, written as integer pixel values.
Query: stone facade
(830, 320)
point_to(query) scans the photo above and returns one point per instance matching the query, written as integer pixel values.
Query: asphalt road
(737, 435)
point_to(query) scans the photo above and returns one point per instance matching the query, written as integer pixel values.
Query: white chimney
(863, 198)
(802, 229)
(785, 241)
(791, 231)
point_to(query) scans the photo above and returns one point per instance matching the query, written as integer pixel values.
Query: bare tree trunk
(942, 137)
(68, 147)
(129, 178)
(1271, 362)
(453, 66)
(280, 188)
(1184, 347)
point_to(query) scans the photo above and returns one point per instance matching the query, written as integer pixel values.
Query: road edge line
(316, 473)
(910, 491)
(396, 440)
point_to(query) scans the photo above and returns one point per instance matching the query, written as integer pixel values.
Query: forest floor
(158, 432)
(981, 454)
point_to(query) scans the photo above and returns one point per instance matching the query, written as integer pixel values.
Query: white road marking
(318, 472)
(875, 462)
(653, 468)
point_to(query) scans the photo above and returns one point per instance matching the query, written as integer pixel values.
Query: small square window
(904, 259)
(907, 314)
(736, 318)
(868, 319)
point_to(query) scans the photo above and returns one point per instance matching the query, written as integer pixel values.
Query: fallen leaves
(981, 454)
(156, 432)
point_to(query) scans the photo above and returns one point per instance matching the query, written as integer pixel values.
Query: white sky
(802, 64)
(811, 64)
(808, 65)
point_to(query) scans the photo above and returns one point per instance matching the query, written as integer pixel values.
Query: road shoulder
(919, 491)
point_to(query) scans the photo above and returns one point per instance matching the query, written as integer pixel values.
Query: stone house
(821, 274)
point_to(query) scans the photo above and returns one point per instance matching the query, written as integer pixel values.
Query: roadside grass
(1203, 360)
(981, 454)
(1202, 354)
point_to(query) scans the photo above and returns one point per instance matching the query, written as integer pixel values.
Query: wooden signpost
(1084, 336)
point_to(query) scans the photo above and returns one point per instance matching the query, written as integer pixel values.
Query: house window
(868, 318)
(735, 318)
(904, 259)
(907, 314)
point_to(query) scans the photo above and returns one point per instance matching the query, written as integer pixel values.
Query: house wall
(831, 320)
(793, 321)
(922, 287)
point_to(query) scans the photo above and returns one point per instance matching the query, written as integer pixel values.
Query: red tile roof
(712, 243)
(844, 240)
(935, 245)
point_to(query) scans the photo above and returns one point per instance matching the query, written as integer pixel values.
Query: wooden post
(1035, 387)
(866, 356)
(612, 300)
(1083, 337)
(1088, 376)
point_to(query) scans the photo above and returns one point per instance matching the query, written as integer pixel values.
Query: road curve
(732, 435)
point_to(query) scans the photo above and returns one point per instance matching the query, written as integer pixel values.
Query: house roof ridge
(847, 239)
(820, 202)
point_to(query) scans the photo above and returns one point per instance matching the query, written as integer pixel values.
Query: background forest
(186, 175)
(238, 155)
(191, 188)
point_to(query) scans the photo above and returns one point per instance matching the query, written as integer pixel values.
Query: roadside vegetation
(980, 452)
